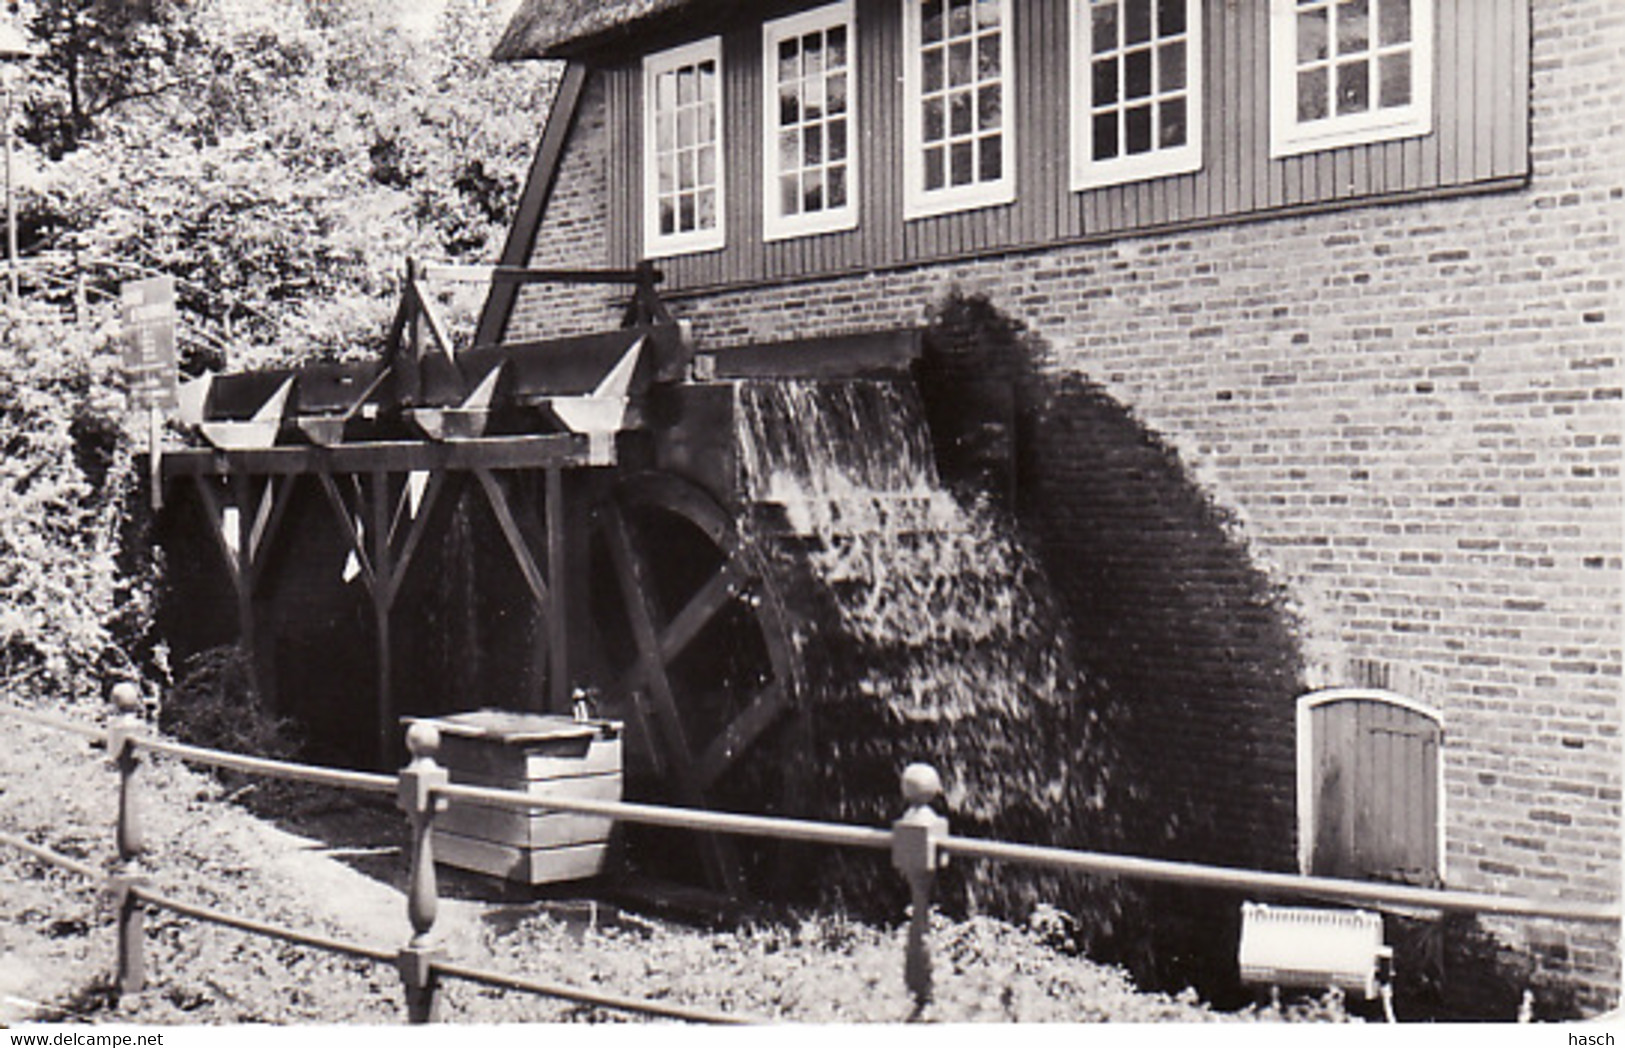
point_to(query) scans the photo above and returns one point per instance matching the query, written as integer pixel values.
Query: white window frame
(1089, 173)
(1306, 764)
(1290, 138)
(656, 245)
(774, 225)
(918, 202)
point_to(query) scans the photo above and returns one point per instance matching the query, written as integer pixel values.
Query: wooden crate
(542, 754)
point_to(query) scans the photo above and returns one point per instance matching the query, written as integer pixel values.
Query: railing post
(915, 853)
(122, 734)
(416, 797)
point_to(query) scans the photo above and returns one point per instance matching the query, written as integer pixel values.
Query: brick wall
(572, 234)
(1386, 436)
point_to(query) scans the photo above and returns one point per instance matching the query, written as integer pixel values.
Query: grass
(56, 932)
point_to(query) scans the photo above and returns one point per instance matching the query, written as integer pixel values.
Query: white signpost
(147, 309)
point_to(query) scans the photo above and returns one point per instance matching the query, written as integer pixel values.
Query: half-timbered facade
(1324, 299)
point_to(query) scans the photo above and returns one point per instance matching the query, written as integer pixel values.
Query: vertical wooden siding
(1480, 134)
(1375, 774)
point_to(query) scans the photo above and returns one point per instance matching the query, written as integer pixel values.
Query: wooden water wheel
(694, 652)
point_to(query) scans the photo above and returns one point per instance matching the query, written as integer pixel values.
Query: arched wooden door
(1370, 787)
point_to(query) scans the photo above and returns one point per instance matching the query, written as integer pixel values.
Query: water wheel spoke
(650, 668)
(740, 733)
(642, 720)
(630, 573)
(707, 602)
(694, 647)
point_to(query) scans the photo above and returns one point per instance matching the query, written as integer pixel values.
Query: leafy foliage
(290, 158)
(280, 159)
(214, 704)
(99, 54)
(65, 472)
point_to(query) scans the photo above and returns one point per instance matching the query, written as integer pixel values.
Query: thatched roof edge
(552, 28)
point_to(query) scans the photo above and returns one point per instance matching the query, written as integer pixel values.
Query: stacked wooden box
(541, 754)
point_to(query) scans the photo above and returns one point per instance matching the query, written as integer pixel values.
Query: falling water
(932, 634)
(846, 456)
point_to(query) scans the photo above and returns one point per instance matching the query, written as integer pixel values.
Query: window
(958, 125)
(682, 149)
(1136, 89)
(1345, 72)
(810, 152)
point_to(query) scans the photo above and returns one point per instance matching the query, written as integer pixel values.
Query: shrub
(214, 705)
(66, 478)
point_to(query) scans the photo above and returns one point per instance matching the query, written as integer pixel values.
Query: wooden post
(415, 323)
(155, 456)
(915, 854)
(382, 594)
(409, 350)
(416, 797)
(558, 640)
(244, 576)
(131, 839)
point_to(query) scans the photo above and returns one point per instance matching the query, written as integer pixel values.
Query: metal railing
(420, 963)
(919, 843)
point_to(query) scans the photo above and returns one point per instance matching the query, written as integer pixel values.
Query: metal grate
(1292, 946)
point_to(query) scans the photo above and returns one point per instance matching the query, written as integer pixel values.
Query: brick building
(1321, 318)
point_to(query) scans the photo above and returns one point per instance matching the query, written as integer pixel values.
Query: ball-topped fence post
(416, 797)
(915, 852)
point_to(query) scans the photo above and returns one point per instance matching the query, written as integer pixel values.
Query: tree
(97, 55)
(280, 159)
(315, 147)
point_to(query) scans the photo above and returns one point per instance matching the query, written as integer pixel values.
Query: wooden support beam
(540, 451)
(529, 513)
(516, 540)
(414, 314)
(248, 609)
(414, 535)
(264, 503)
(235, 551)
(400, 358)
(213, 509)
(403, 507)
(466, 274)
(388, 730)
(558, 639)
(274, 498)
(425, 308)
(346, 519)
(376, 503)
(646, 306)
